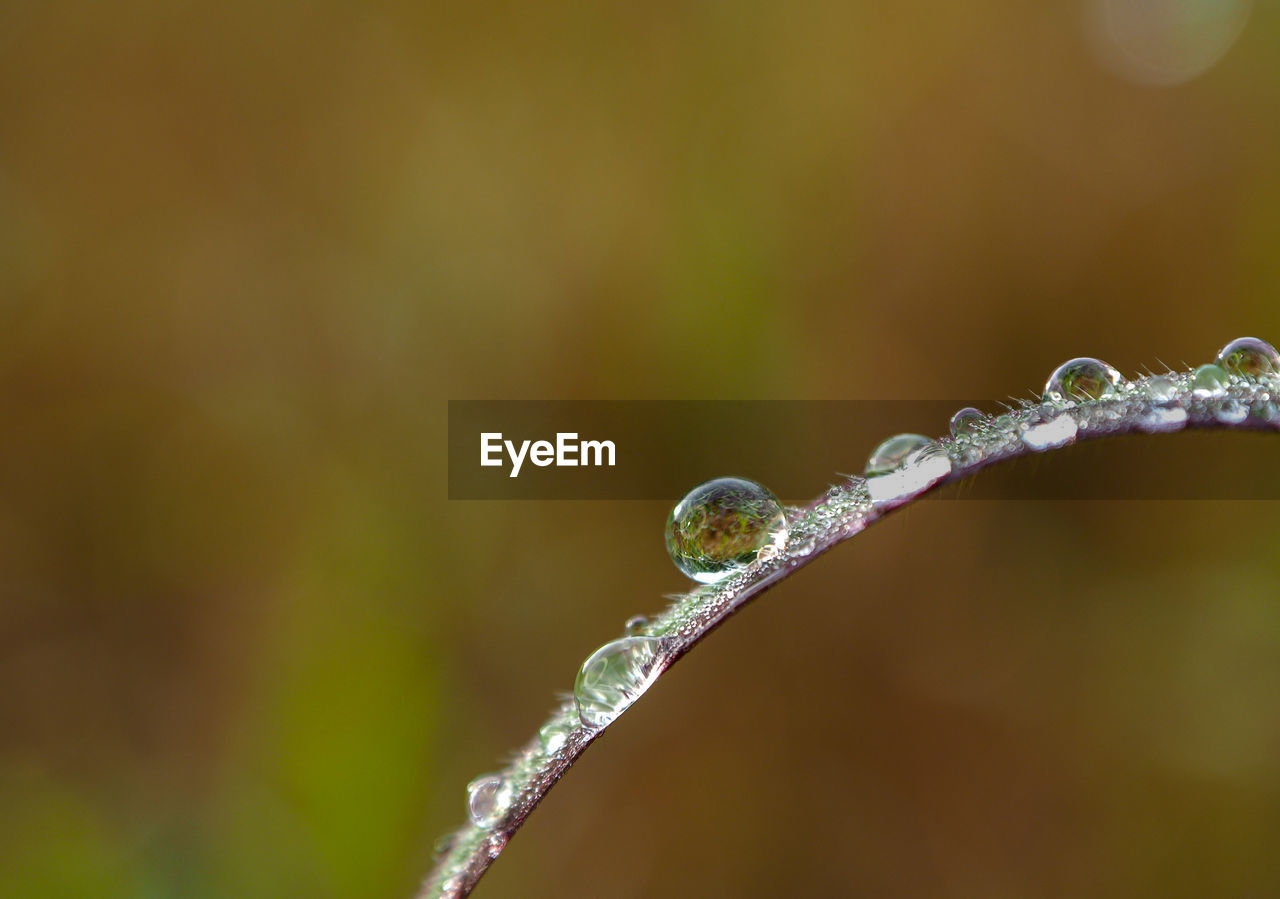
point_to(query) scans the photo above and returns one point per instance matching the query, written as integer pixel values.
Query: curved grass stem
(1144, 406)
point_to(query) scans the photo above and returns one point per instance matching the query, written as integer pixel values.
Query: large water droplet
(487, 799)
(1249, 357)
(967, 422)
(721, 526)
(1081, 379)
(613, 677)
(1210, 380)
(893, 453)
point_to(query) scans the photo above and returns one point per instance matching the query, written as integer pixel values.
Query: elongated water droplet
(1210, 380)
(636, 626)
(1054, 433)
(487, 799)
(1081, 379)
(893, 453)
(1164, 418)
(903, 466)
(553, 735)
(1160, 390)
(1249, 357)
(613, 677)
(967, 422)
(721, 526)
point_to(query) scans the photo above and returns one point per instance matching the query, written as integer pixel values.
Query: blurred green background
(248, 251)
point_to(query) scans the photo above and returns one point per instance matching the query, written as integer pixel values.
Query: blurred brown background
(248, 251)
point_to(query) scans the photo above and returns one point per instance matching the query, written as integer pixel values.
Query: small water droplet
(1249, 357)
(768, 553)
(1160, 390)
(1231, 411)
(1265, 411)
(636, 626)
(1058, 432)
(442, 845)
(892, 454)
(613, 677)
(721, 526)
(487, 799)
(967, 422)
(553, 735)
(1081, 379)
(1210, 380)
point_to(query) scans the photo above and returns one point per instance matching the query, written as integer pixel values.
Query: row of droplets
(727, 524)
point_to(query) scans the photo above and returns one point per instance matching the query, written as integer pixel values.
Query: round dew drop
(613, 677)
(1210, 380)
(487, 799)
(721, 526)
(967, 422)
(1081, 379)
(1249, 357)
(636, 626)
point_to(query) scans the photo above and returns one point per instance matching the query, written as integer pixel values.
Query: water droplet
(1265, 411)
(1164, 419)
(967, 422)
(1209, 380)
(721, 526)
(613, 677)
(1231, 411)
(1058, 432)
(1160, 390)
(893, 453)
(636, 626)
(553, 735)
(1249, 357)
(487, 799)
(1081, 379)
(903, 466)
(442, 845)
